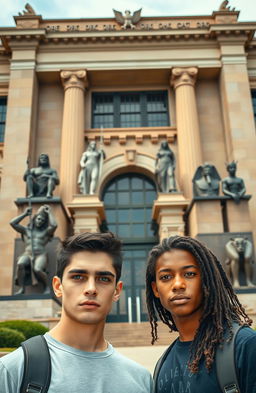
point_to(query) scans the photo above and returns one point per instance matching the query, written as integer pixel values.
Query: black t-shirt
(175, 377)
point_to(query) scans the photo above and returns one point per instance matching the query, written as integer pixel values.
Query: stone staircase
(136, 334)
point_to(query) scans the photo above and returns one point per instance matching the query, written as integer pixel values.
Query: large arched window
(128, 201)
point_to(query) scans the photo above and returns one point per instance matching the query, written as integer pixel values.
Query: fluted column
(189, 146)
(72, 139)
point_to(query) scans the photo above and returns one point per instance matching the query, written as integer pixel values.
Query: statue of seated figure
(206, 181)
(232, 185)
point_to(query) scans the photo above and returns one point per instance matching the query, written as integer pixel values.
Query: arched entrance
(128, 201)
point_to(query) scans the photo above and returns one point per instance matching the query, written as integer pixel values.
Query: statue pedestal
(204, 215)
(87, 212)
(238, 215)
(28, 307)
(168, 212)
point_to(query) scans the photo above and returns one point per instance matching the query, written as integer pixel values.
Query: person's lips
(179, 299)
(89, 304)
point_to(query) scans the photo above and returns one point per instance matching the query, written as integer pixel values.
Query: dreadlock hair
(220, 305)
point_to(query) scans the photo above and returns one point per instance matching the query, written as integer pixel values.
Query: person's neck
(86, 337)
(187, 328)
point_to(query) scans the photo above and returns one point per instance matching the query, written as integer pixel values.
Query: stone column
(189, 147)
(72, 140)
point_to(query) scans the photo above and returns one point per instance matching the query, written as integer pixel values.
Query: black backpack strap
(225, 364)
(37, 366)
(159, 365)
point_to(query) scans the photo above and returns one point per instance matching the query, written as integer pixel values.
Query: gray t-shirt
(76, 371)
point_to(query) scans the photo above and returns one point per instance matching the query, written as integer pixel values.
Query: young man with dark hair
(188, 290)
(87, 282)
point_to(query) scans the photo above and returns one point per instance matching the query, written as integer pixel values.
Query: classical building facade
(189, 80)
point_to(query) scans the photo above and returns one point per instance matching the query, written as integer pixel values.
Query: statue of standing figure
(165, 169)
(42, 180)
(206, 181)
(232, 185)
(91, 166)
(35, 235)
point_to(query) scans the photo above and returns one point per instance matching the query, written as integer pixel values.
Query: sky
(58, 9)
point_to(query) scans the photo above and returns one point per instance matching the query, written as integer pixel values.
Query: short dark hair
(105, 242)
(220, 303)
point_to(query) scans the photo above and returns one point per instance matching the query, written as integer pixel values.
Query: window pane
(137, 197)
(123, 198)
(124, 230)
(137, 183)
(157, 119)
(106, 121)
(123, 184)
(130, 103)
(110, 198)
(131, 120)
(150, 196)
(137, 215)
(138, 230)
(111, 215)
(123, 215)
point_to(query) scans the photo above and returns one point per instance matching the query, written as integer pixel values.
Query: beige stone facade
(51, 70)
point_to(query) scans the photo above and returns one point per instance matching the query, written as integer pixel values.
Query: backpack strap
(159, 365)
(37, 366)
(225, 364)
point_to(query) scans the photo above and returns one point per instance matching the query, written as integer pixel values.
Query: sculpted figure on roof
(29, 11)
(127, 20)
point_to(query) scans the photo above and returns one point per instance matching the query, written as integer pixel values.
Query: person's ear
(57, 286)
(118, 290)
(154, 289)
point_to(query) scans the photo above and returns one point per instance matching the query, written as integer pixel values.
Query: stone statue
(35, 235)
(29, 10)
(233, 186)
(239, 251)
(206, 181)
(128, 20)
(165, 168)
(42, 180)
(225, 7)
(91, 166)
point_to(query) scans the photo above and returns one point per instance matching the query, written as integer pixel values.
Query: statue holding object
(35, 236)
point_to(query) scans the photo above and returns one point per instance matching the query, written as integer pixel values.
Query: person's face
(39, 221)
(206, 170)
(178, 284)
(43, 159)
(88, 287)
(232, 170)
(93, 145)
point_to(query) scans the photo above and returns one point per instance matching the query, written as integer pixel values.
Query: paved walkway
(147, 356)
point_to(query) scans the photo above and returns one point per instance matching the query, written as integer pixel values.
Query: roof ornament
(29, 11)
(225, 7)
(127, 20)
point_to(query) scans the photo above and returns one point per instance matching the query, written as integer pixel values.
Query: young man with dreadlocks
(188, 290)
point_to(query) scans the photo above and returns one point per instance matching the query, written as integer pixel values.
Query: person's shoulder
(246, 335)
(129, 363)
(12, 357)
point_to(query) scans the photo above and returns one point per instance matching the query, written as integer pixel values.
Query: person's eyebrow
(97, 273)
(183, 268)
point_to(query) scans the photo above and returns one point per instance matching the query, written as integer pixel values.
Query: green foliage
(28, 328)
(10, 337)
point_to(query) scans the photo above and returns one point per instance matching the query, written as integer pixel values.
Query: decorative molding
(74, 78)
(155, 134)
(184, 76)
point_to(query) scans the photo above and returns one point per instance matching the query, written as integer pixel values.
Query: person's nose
(90, 287)
(178, 283)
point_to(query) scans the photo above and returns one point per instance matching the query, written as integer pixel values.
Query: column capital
(74, 78)
(183, 76)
